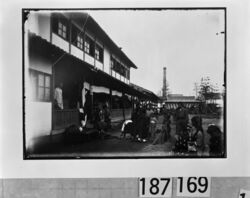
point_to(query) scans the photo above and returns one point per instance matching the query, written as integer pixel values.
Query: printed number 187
(155, 187)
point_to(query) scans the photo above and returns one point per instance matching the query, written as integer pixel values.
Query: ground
(111, 145)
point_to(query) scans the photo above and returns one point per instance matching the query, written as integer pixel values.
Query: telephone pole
(164, 88)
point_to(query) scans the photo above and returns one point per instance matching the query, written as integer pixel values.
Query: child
(215, 145)
(152, 126)
(159, 132)
(196, 137)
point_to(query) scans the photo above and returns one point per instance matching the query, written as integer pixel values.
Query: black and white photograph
(124, 83)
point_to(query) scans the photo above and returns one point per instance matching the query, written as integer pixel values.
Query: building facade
(70, 49)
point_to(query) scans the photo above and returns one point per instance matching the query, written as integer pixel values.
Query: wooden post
(92, 100)
(94, 52)
(132, 102)
(52, 98)
(123, 109)
(70, 35)
(84, 40)
(110, 100)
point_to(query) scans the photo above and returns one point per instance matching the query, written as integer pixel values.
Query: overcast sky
(184, 41)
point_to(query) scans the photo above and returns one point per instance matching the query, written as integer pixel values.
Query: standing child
(152, 126)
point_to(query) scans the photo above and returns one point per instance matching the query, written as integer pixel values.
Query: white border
(237, 163)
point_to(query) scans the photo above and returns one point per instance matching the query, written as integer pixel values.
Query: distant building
(180, 97)
(173, 101)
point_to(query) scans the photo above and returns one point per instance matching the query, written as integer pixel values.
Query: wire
(73, 41)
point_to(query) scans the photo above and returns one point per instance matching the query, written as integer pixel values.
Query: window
(123, 70)
(99, 53)
(111, 62)
(128, 74)
(41, 83)
(89, 46)
(62, 30)
(118, 67)
(77, 37)
(79, 42)
(60, 26)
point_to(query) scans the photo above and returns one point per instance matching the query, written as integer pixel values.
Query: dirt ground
(113, 145)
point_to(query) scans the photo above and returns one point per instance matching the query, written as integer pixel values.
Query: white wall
(118, 76)
(32, 23)
(39, 23)
(89, 59)
(58, 41)
(122, 79)
(38, 119)
(38, 115)
(44, 26)
(76, 52)
(106, 60)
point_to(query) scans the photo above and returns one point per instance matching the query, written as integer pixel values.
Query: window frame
(77, 34)
(91, 46)
(80, 41)
(60, 19)
(62, 29)
(100, 50)
(118, 67)
(37, 86)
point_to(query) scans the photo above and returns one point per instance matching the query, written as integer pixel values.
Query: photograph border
(37, 157)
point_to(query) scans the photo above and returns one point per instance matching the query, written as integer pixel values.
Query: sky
(183, 41)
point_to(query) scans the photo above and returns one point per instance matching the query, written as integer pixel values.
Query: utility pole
(164, 88)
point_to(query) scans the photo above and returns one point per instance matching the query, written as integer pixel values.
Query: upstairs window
(79, 42)
(111, 62)
(118, 67)
(99, 53)
(60, 26)
(62, 30)
(128, 74)
(123, 70)
(89, 46)
(77, 37)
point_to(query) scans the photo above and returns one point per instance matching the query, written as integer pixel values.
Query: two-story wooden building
(71, 49)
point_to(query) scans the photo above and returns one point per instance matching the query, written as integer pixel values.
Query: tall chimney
(164, 88)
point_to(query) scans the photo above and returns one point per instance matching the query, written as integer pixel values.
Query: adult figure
(142, 125)
(82, 118)
(58, 97)
(106, 114)
(181, 119)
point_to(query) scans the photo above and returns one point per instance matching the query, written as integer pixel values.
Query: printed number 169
(193, 186)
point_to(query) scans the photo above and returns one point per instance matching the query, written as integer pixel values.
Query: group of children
(147, 125)
(189, 137)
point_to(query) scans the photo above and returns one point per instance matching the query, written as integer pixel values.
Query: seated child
(196, 136)
(215, 143)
